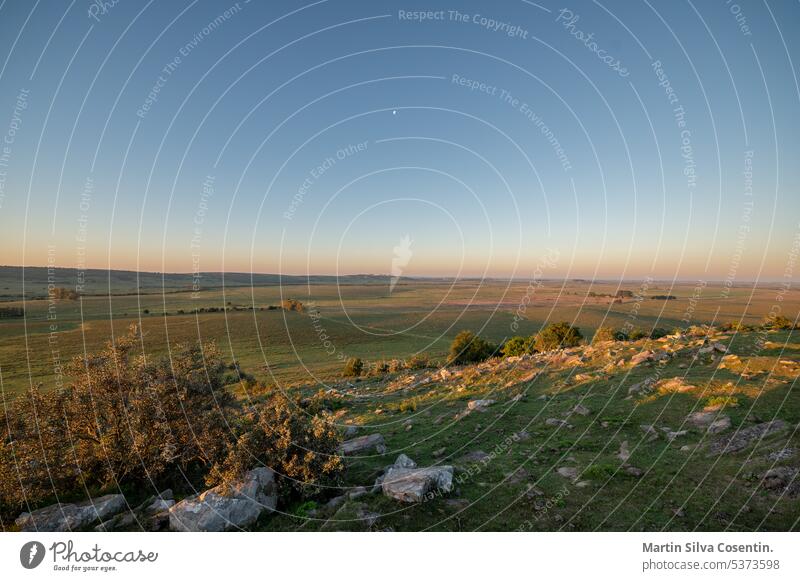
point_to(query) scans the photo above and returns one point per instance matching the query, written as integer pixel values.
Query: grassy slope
(680, 489)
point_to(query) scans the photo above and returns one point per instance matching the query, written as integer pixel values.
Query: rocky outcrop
(412, 484)
(71, 517)
(363, 444)
(151, 515)
(743, 438)
(227, 506)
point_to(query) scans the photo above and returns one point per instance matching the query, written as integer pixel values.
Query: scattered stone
(553, 422)
(782, 454)
(641, 388)
(479, 405)
(778, 478)
(624, 453)
(363, 444)
(642, 357)
(151, 512)
(71, 517)
(672, 435)
(581, 410)
(521, 436)
(351, 516)
(583, 483)
(440, 452)
(414, 484)
(350, 432)
(719, 425)
(457, 503)
(743, 438)
(476, 457)
(357, 492)
(227, 506)
(634, 471)
(674, 385)
(404, 461)
(568, 472)
(651, 432)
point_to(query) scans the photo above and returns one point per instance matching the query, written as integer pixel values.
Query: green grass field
(358, 318)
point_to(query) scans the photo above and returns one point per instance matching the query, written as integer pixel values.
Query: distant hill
(120, 282)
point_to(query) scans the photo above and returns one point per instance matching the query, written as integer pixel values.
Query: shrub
(604, 334)
(467, 347)
(300, 445)
(293, 305)
(637, 334)
(518, 346)
(124, 419)
(658, 333)
(64, 293)
(558, 335)
(778, 322)
(353, 367)
(419, 361)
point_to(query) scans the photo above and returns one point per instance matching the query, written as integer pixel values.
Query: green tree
(558, 335)
(467, 347)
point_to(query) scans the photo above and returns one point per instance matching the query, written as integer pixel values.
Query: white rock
(227, 507)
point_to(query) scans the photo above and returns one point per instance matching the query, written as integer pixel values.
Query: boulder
(555, 422)
(568, 472)
(642, 357)
(581, 410)
(148, 515)
(227, 506)
(624, 452)
(363, 444)
(778, 478)
(479, 405)
(743, 438)
(475, 457)
(404, 461)
(414, 484)
(719, 425)
(71, 517)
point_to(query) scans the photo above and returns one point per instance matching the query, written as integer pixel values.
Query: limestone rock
(227, 506)
(363, 444)
(71, 517)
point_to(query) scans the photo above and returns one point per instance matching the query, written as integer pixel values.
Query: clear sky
(625, 139)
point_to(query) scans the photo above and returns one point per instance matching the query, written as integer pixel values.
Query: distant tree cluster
(293, 305)
(63, 294)
(663, 297)
(11, 312)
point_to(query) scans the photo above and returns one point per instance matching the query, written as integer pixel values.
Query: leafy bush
(637, 334)
(353, 367)
(558, 335)
(299, 444)
(604, 334)
(419, 361)
(467, 347)
(124, 419)
(778, 322)
(293, 305)
(518, 346)
(658, 333)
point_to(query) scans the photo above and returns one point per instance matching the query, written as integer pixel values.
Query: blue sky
(312, 137)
